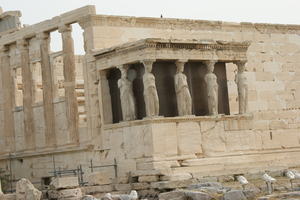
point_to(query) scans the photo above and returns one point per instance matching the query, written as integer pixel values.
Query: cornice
(186, 24)
(159, 44)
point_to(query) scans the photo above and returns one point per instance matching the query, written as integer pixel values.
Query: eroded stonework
(242, 118)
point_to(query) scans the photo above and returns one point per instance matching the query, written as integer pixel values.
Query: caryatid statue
(126, 95)
(242, 86)
(150, 91)
(212, 88)
(184, 100)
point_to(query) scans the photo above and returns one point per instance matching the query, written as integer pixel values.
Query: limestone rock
(99, 178)
(234, 194)
(88, 197)
(216, 185)
(62, 194)
(31, 193)
(64, 183)
(174, 195)
(194, 195)
(26, 191)
(249, 193)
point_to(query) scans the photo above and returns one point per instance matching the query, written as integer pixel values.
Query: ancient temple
(160, 96)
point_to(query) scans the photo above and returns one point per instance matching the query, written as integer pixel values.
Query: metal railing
(112, 165)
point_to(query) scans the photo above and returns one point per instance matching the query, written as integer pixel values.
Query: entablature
(171, 49)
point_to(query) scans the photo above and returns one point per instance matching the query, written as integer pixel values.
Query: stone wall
(268, 138)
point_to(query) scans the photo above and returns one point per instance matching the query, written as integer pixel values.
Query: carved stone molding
(22, 44)
(148, 62)
(43, 37)
(65, 28)
(210, 63)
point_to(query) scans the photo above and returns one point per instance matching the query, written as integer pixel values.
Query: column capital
(65, 28)
(43, 37)
(147, 62)
(180, 63)
(209, 63)
(240, 63)
(4, 48)
(22, 44)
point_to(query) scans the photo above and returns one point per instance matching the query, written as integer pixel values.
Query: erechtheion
(160, 96)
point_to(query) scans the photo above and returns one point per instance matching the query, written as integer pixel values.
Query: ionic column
(27, 94)
(150, 91)
(50, 136)
(212, 87)
(7, 89)
(242, 86)
(70, 82)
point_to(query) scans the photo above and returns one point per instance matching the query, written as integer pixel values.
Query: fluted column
(50, 136)
(150, 91)
(27, 94)
(70, 82)
(7, 89)
(212, 87)
(242, 87)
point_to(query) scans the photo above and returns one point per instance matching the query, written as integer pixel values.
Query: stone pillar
(183, 96)
(7, 89)
(50, 136)
(150, 91)
(212, 87)
(70, 82)
(242, 87)
(27, 94)
(104, 98)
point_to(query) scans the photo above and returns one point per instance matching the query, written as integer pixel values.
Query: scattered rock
(174, 195)
(195, 195)
(234, 194)
(216, 185)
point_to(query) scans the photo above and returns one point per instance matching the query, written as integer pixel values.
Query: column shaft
(27, 94)
(50, 136)
(7, 88)
(70, 83)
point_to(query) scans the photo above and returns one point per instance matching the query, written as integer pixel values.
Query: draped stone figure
(212, 88)
(184, 100)
(126, 95)
(150, 92)
(242, 87)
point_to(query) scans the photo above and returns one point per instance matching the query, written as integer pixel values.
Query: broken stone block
(234, 194)
(8, 197)
(31, 193)
(69, 193)
(174, 195)
(64, 183)
(88, 197)
(198, 195)
(216, 185)
(26, 191)
(99, 178)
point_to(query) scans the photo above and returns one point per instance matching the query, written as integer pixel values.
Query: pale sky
(257, 11)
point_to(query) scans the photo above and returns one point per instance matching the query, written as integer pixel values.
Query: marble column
(242, 86)
(70, 82)
(50, 136)
(212, 87)
(7, 89)
(27, 94)
(150, 91)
